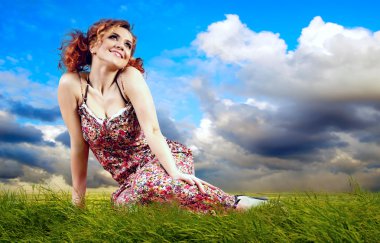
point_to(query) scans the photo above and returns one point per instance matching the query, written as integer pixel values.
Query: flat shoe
(259, 198)
(237, 199)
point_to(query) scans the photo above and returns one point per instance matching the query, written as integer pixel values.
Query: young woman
(108, 108)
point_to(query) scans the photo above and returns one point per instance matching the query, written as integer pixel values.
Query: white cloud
(50, 131)
(322, 38)
(330, 62)
(214, 151)
(260, 104)
(233, 42)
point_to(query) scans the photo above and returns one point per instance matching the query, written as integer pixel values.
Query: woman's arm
(68, 88)
(138, 92)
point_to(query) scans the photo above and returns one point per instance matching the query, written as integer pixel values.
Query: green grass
(297, 217)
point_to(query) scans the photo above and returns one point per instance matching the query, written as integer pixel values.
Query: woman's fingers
(200, 186)
(208, 184)
(193, 180)
(188, 179)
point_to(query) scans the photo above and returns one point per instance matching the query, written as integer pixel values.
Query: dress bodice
(117, 142)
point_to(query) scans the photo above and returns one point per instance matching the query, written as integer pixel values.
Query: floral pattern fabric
(120, 146)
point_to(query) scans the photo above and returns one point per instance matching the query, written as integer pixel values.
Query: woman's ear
(94, 47)
(93, 50)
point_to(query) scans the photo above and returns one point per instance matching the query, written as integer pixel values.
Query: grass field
(290, 217)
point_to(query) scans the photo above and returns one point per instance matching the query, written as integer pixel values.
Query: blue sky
(282, 94)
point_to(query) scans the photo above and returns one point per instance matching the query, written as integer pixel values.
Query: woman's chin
(116, 66)
(120, 65)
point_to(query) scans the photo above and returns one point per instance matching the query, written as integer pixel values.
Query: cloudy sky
(274, 96)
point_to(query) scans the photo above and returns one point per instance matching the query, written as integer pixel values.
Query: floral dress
(120, 146)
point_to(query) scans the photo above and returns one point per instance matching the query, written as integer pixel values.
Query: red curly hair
(76, 55)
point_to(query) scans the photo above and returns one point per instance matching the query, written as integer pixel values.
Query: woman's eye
(127, 44)
(113, 37)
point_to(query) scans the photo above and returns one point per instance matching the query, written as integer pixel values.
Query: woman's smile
(117, 53)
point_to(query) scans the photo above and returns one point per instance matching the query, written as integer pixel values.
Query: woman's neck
(102, 77)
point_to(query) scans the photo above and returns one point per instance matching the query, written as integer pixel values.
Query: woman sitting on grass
(108, 108)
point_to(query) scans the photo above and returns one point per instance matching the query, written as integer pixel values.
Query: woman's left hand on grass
(192, 179)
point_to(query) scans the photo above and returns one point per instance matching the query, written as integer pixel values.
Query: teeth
(117, 54)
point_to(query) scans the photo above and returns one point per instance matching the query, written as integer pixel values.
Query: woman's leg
(154, 184)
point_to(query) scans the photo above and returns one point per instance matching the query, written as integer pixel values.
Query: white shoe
(246, 202)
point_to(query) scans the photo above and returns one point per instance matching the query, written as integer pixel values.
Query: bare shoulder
(70, 84)
(132, 76)
(69, 80)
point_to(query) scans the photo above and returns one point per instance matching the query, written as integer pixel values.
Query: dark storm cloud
(296, 130)
(293, 144)
(370, 135)
(327, 116)
(10, 169)
(308, 128)
(28, 111)
(98, 180)
(11, 132)
(25, 155)
(64, 138)
(311, 127)
(302, 131)
(95, 174)
(169, 128)
(279, 138)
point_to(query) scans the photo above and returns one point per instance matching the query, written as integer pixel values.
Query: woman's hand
(78, 202)
(192, 179)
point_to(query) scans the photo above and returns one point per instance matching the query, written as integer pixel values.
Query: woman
(107, 107)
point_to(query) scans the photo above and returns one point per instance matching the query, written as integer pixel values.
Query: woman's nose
(119, 45)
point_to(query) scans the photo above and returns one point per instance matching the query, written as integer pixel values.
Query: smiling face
(115, 48)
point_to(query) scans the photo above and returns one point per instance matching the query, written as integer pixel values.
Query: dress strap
(81, 86)
(122, 95)
(86, 91)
